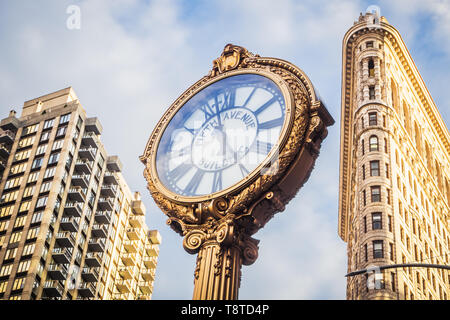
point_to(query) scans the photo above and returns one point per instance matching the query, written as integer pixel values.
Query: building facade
(394, 168)
(70, 228)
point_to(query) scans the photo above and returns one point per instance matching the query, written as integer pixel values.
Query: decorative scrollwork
(193, 241)
(249, 248)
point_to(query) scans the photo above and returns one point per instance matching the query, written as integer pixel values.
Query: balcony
(131, 246)
(90, 139)
(110, 178)
(93, 260)
(4, 151)
(113, 163)
(145, 287)
(93, 125)
(69, 224)
(138, 207)
(90, 274)
(57, 272)
(96, 245)
(87, 153)
(81, 180)
(152, 250)
(53, 289)
(65, 239)
(126, 273)
(105, 204)
(133, 233)
(7, 137)
(154, 236)
(62, 255)
(86, 290)
(150, 262)
(10, 124)
(108, 191)
(73, 209)
(99, 231)
(128, 259)
(124, 286)
(136, 221)
(103, 217)
(83, 166)
(148, 274)
(76, 194)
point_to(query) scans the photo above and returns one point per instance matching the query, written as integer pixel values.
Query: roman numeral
(178, 172)
(249, 97)
(208, 111)
(192, 186)
(265, 105)
(271, 124)
(244, 170)
(217, 181)
(230, 97)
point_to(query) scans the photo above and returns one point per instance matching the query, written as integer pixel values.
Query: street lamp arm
(402, 265)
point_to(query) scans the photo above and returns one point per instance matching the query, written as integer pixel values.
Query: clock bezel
(252, 176)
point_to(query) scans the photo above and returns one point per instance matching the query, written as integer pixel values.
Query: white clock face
(220, 135)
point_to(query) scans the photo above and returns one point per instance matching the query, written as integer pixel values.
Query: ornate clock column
(218, 226)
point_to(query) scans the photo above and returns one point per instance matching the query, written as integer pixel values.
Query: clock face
(220, 135)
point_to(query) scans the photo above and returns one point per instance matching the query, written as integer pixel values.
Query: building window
(45, 136)
(365, 224)
(372, 119)
(369, 44)
(387, 170)
(374, 168)
(49, 123)
(377, 249)
(64, 118)
(371, 66)
(366, 252)
(375, 193)
(391, 251)
(364, 197)
(53, 158)
(362, 147)
(61, 131)
(41, 202)
(376, 221)
(371, 92)
(363, 169)
(37, 163)
(362, 122)
(393, 281)
(373, 143)
(30, 129)
(390, 223)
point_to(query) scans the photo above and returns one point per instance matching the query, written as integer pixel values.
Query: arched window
(373, 143)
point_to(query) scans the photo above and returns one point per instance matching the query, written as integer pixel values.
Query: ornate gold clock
(228, 154)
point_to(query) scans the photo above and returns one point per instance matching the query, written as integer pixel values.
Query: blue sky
(131, 59)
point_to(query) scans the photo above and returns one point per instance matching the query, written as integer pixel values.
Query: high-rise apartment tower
(394, 168)
(70, 228)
